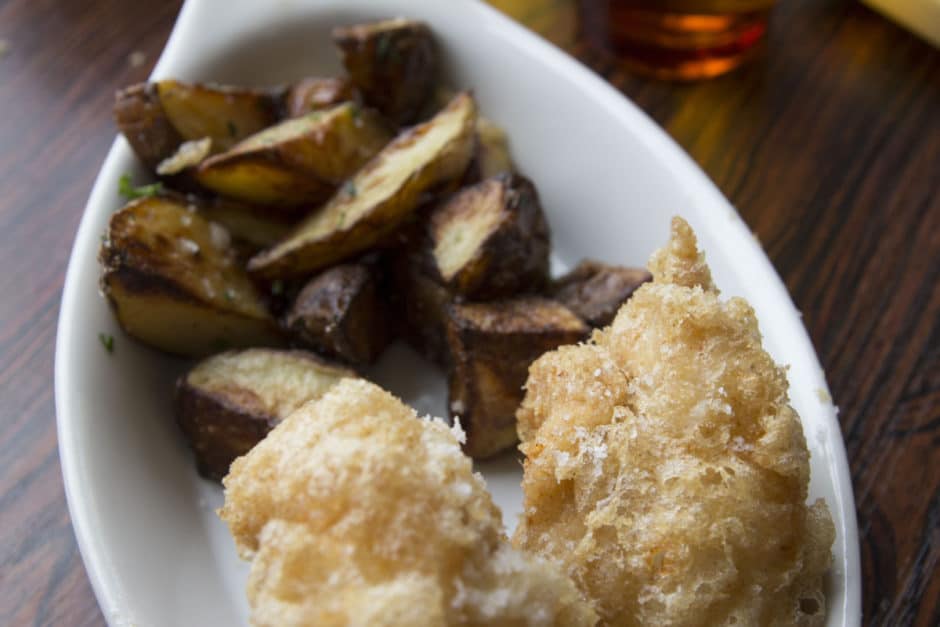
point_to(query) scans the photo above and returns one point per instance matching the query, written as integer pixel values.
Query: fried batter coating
(356, 512)
(665, 468)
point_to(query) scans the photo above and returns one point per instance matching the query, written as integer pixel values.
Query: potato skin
(503, 219)
(384, 195)
(491, 347)
(217, 430)
(173, 281)
(224, 419)
(313, 94)
(393, 63)
(141, 119)
(421, 302)
(595, 291)
(340, 313)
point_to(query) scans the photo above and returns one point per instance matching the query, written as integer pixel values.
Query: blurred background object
(676, 39)
(920, 16)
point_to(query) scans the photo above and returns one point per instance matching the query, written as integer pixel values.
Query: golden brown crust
(393, 63)
(380, 198)
(357, 512)
(680, 262)
(491, 346)
(665, 468)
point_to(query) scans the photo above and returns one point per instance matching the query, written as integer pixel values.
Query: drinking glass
(676, 39)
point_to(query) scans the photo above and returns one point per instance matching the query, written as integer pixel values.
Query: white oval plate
(609, 178)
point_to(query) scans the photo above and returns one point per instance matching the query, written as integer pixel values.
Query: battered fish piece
(665, 468)
(356, 512)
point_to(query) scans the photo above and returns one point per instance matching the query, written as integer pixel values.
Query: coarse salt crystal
(219, 235)
(189, 245)
(207, 286)
(458, 431)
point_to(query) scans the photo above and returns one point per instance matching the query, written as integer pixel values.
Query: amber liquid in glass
(676, 39)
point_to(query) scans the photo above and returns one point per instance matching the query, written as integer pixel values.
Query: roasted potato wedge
(224, 113)
(313, 94)
(140, 117)
(341, 313)
(157, 117)
(172, 279)
(491, 346)
(380, 197)
(492, 240)
(595, 291)
(393, 63)
(422, 303)
(490, 153)
(227, 403)
(298, 162)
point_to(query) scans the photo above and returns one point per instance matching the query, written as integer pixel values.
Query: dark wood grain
(62, 64)
(828, 144)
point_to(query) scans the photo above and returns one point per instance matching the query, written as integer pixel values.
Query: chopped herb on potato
(393, 63)
(107, 341)
(127, 189)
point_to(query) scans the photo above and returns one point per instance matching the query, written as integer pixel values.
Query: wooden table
(828, 144)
